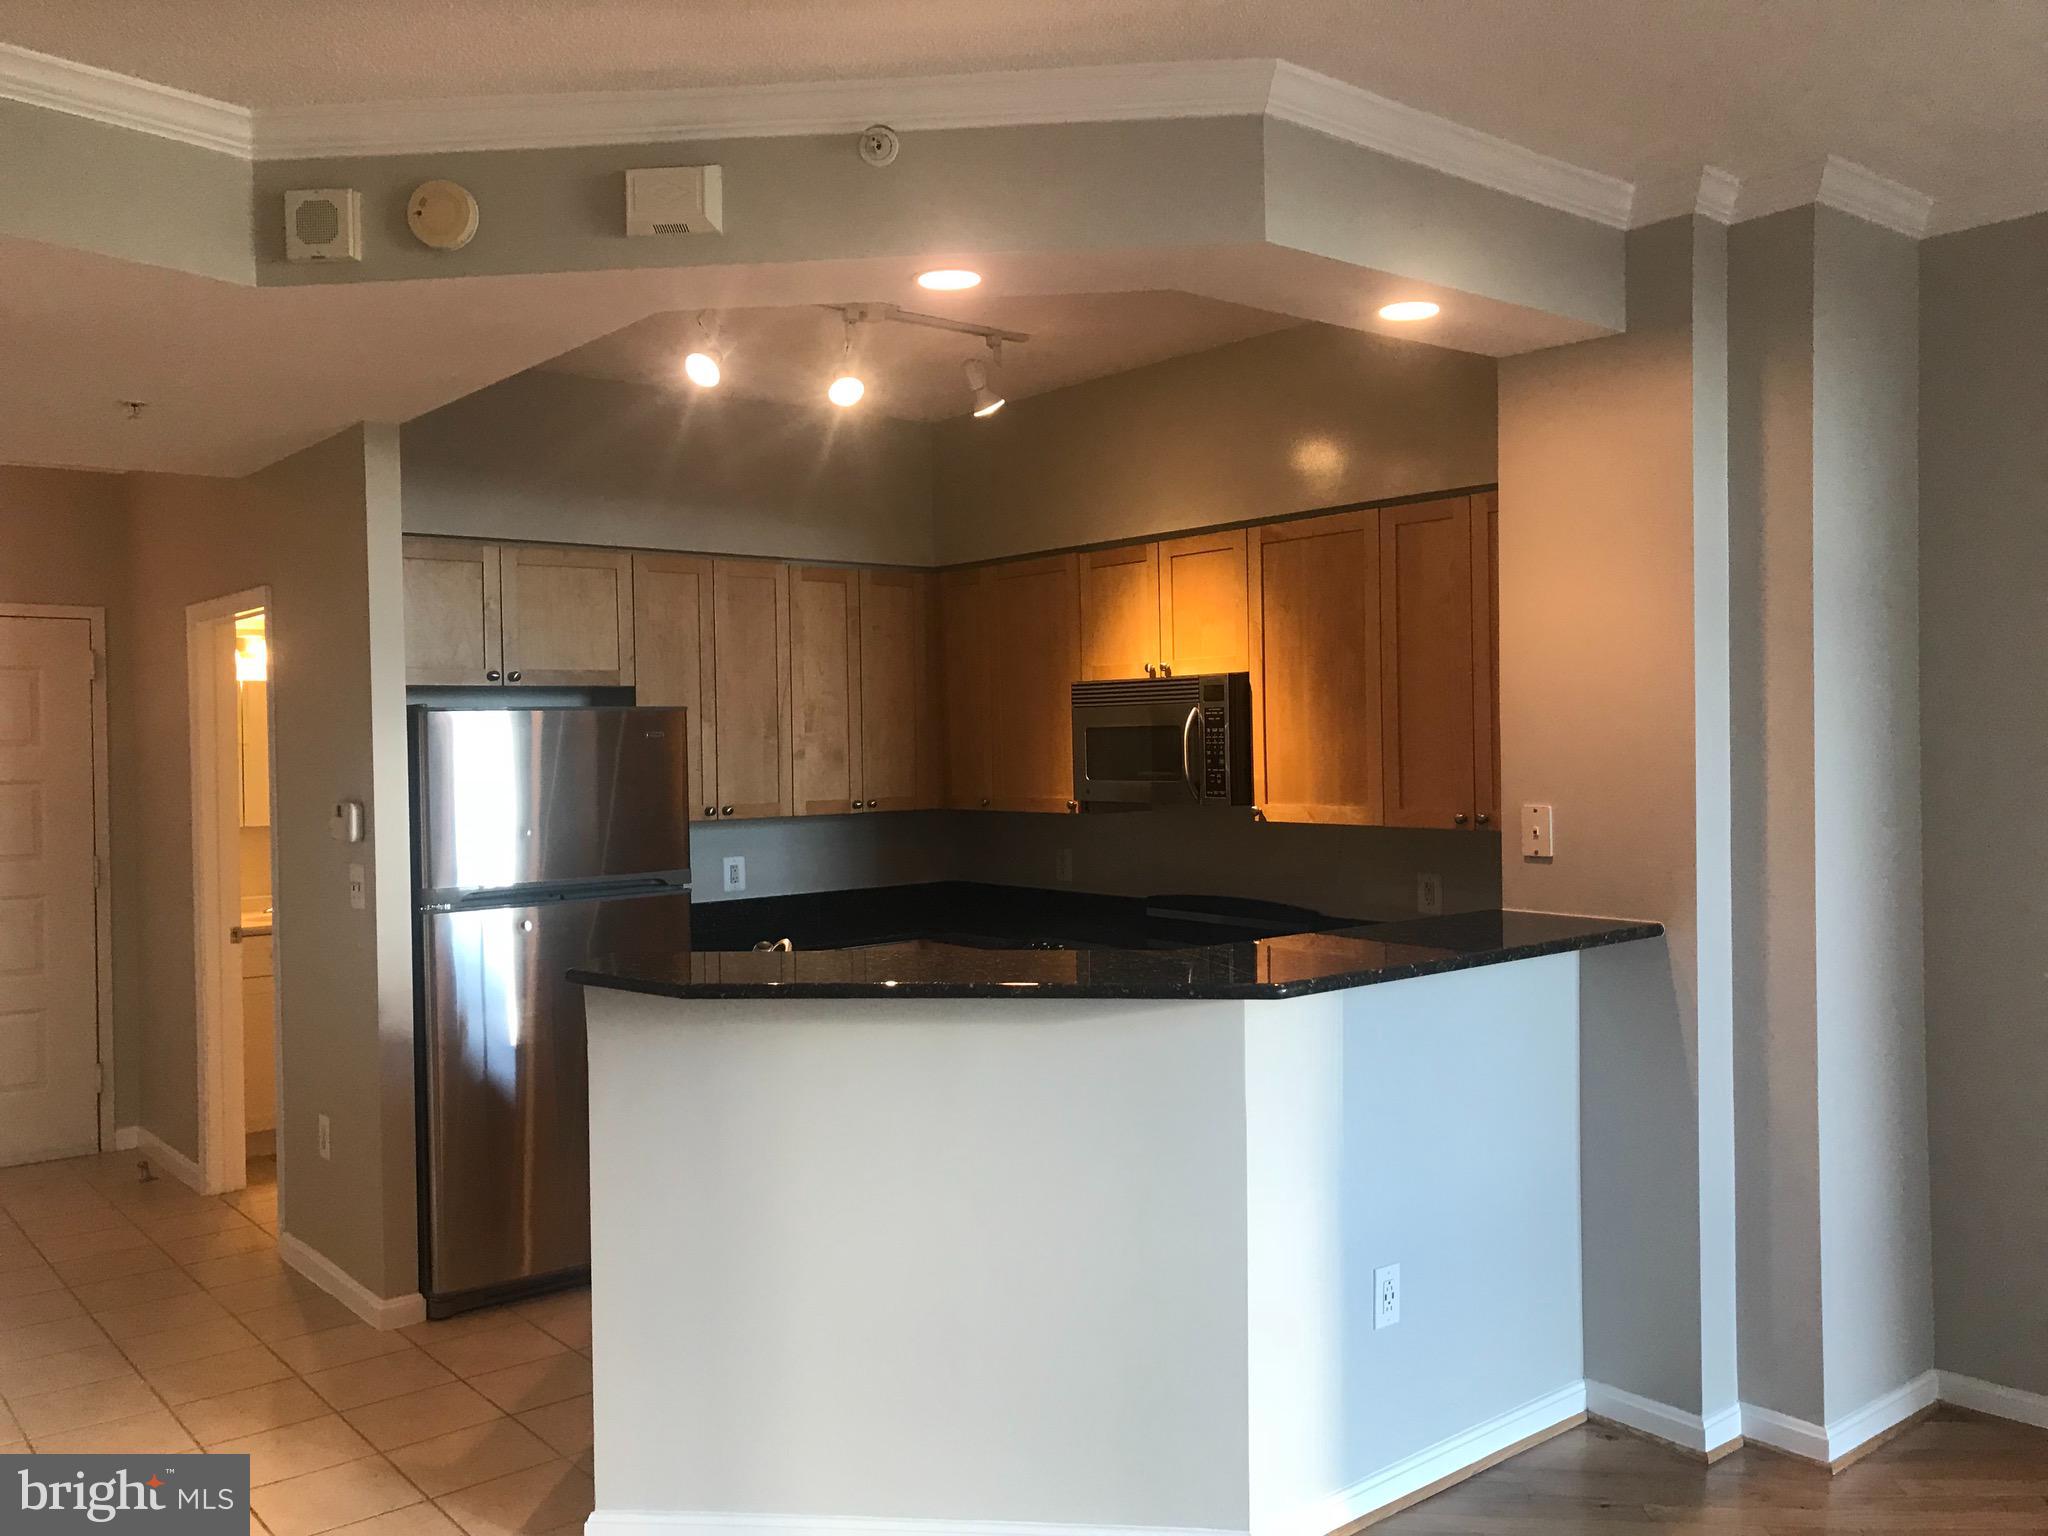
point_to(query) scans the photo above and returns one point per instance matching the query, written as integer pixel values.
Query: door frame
(217, 982)
(102, 845)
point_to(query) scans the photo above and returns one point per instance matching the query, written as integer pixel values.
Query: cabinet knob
(1151, 670)
(725, 810)
(1484, 818)
(490, 677)
(710, 810)
(984, 802)
(1165, 670)
(1072, 806)
(511, 677)
(1460, 818)
(871, 805)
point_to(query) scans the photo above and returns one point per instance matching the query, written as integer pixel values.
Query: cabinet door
(750, 625)
(1204, 612)
(964, 686)
(1486, 653)
(824, 689)
(893, 724)
(673, 656)
(451, 612)
(1428, 679)
(1034, 651)
(1120, 611)
(1316, 668)
(568, 616)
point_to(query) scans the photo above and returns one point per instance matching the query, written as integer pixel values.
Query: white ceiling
(1946, 96)
(790, 354)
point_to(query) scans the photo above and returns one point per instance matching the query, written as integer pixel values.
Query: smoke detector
(442, 214)
(676, 200)
(880, 144)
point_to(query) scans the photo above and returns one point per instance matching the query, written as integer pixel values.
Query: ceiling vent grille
(676, 200)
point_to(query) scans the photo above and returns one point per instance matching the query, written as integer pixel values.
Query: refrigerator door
(511, 797)
(506, 1117)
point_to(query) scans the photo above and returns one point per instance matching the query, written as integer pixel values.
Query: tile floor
(142, 1317)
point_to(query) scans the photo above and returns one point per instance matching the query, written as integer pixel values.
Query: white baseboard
(377, 1311)
(1661, 1421)
(663, 1522)
(1833, 1441)
(2000, 1402)
(1433, 1463)
(134, 1138)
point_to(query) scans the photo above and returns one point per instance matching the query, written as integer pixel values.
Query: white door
(49, 1012)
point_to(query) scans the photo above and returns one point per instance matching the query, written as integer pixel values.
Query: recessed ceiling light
(1409, 309)
(948, 279)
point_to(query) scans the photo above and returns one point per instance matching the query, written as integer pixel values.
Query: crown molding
(1710, 194)
(1085, 94)
(1857, 190)
(1357, 116)
(121, 101)
(1718, 192)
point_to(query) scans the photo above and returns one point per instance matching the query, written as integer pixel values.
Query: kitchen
(1152, 781)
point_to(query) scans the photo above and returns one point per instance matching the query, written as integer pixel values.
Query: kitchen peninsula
(1082, 1234)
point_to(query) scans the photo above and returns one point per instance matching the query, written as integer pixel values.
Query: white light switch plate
(1537, 842)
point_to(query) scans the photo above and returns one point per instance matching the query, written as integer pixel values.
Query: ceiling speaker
(323, 225)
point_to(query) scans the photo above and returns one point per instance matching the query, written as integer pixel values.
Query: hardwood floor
(1952, 1473)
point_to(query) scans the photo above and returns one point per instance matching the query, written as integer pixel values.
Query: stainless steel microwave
(1150, 743)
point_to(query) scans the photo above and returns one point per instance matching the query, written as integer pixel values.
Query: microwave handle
(1188, 767)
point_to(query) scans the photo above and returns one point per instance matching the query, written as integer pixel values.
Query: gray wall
(317, 528)
(1597, 719)
(1309, 417)
(561, 458)
(1984, 695)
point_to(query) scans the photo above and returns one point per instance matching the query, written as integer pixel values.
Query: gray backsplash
(1363, 872)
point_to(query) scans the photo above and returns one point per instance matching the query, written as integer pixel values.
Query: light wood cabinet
(962, 629)
(1033, 656)
(452, 633)
(750, 623)
(824, 690)
(896, 771)
(1120, 611)
(674, 653)
(1486, 652)
(1430, 682)
(568, 616)
(1315, 665)
(1204, 604)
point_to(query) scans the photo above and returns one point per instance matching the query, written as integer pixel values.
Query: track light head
(987, 400)
(704, 366)
(846, 389)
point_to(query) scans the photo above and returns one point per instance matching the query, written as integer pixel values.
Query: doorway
(234, 862)
(55, 933)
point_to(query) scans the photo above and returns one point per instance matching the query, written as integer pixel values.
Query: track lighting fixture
(987, 400)
(705, 365)
(847, 388)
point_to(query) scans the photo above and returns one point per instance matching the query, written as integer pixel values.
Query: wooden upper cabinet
(1204, 604)
(673, 654)
(750, 622)
(895, 772)
(451, 612)
(1428, 663)
(1120, 611)
(1315, 668)
(568, 616)
(962, 628)
(1486, 652)
(824, 689)
(1033, 658)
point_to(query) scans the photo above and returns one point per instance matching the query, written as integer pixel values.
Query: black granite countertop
(936, 941)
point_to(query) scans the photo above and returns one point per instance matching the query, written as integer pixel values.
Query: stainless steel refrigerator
(541, 837)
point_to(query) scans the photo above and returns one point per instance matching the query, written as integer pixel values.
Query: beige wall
(1597, 720)
(1309, 417)
(1983, 698)
(562, 458)
(304, 528)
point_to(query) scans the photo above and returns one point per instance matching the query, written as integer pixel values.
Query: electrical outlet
(1063, 865)
(1386, 1296)
(1429, 895)
(326, 1138)
(735, 872)
(358, 888)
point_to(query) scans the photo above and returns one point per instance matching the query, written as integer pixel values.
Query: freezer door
(511, 797)
(507, 1154)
